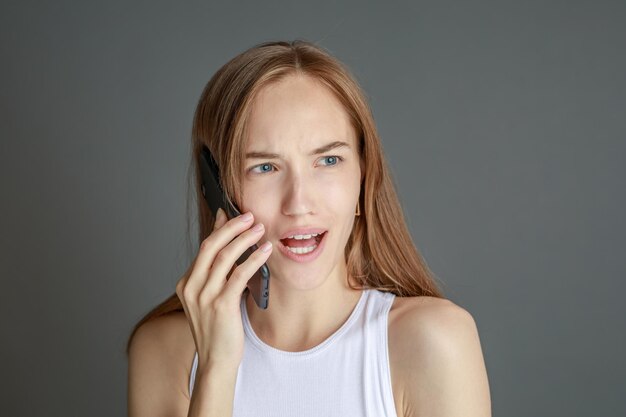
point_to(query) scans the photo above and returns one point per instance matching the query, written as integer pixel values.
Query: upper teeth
(300, 237)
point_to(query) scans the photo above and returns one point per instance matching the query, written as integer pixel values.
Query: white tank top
(345, 375)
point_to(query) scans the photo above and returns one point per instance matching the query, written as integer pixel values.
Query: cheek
(345, 188)
(338, 197)
(258, 200)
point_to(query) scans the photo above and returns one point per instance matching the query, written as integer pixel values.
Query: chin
(296, 278)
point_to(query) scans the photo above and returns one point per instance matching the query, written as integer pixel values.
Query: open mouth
(302, 246)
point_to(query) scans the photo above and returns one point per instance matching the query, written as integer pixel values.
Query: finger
(241, 275)
(217, 223)
(228, 256)
(220, 219)
(210, 246)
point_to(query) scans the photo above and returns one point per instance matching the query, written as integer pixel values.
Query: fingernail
(266, 246)
(246, 217)
(258, 227)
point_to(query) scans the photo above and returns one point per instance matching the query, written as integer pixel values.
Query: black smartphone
(259, 284)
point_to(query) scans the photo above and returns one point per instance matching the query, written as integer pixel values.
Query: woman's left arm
(447, 375)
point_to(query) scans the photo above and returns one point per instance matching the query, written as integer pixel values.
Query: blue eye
(335, 158)
(266, 167)
(262, 166)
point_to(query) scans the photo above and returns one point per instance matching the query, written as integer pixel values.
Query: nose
(298, 195)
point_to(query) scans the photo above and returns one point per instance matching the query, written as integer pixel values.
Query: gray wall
(503, 123)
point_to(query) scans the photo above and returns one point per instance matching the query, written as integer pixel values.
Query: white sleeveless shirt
(345, 375)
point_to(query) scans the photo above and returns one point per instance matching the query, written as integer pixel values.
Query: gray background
(503, 123)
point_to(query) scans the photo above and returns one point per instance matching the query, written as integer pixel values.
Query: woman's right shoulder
(162, 352)
(169, 333)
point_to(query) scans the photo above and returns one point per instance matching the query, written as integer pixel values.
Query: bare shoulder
(424, 325)
(429, 316)
(159, 364)
(169, 334)
(436, 359)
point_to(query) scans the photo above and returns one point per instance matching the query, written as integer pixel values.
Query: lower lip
(307, 257)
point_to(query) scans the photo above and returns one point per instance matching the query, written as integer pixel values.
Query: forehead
(298, 112)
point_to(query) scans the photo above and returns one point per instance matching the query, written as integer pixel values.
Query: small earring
(358, 209)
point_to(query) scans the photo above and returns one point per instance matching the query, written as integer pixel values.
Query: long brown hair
(379, 253)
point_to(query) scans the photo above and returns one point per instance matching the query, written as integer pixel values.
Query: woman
(356, 327)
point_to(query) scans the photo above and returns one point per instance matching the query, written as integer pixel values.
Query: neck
(298, 320)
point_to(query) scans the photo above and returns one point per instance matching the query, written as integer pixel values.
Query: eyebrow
(322, 149)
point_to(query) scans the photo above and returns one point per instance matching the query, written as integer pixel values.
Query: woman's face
(298, 187)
